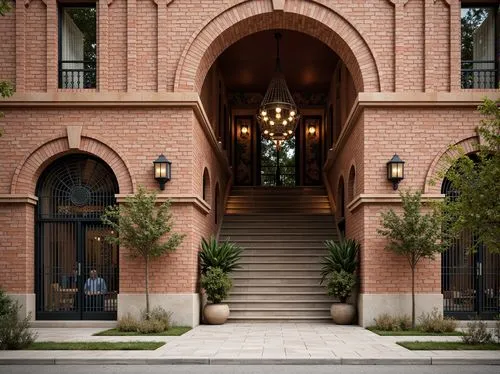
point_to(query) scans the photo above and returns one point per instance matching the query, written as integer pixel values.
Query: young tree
(142, 227)
(475, 205)
(6, 88)
(413, 235)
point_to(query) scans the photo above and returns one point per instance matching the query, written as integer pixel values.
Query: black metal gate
(76, 268)
(470, 281)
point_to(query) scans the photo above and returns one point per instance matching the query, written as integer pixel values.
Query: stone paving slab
(262, 344)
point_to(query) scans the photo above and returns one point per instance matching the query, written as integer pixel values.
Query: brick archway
(444, 160)
(249, 17)
(26, 175)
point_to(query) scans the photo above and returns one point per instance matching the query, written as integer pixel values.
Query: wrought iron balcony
(479, 74)
(77, 74)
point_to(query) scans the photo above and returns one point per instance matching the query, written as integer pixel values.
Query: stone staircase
(282, 230)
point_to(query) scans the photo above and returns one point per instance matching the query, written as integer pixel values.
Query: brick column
(428, 45)
(52, 53)
(20, 46)
(399, 44)
(102, 44)
(455, 40)
(162, 47)
(131, 45)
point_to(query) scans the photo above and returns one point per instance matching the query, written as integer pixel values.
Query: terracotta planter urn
(216, 314)
(342, 313)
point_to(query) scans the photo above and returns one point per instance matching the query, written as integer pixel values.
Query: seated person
(95, 288)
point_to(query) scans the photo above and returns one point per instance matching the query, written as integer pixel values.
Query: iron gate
(470, 281)
(76, 268)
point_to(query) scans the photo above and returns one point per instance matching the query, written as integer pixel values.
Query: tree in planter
(475, 205)
(413, 235)
(140, 226)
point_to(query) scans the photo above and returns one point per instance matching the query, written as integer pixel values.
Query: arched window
(73, 258)
(351, 184)
(206, 186)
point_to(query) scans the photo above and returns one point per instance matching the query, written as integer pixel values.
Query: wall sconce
(163, 170)
(244, 130)
(311, 130)
(395, 171)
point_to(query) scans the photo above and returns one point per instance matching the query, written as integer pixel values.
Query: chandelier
(277, 114)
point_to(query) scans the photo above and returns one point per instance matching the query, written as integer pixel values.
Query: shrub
(497, 328)
(477, 333)
(216, 284)
(435, 322)
(161, 315)
(341, 255)
(15, 333)
(225, 256)
(150, 326)
(386, 322)
(340, 284)
(127, 323)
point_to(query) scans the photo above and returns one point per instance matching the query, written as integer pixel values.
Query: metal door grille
(73, 193)
(470, 281)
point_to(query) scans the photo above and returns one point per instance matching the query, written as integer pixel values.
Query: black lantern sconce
(163, 170)
(395, 171)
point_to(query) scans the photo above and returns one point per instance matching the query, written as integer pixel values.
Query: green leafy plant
(216, 284)
(341, 255)
(15, 332)
(475, 205)
(161, 315)
(497, 328)
(225, 255)
(386, 322)
(413, 235)
(436, 322)
(143, 228)
(340, 284)
(150, 326)
(477, 333)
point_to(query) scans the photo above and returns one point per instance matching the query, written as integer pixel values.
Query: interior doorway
(278, 163)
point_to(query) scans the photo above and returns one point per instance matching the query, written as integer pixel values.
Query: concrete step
(250, 236)
(276, 271)
(279, 319)
(273, 265)
(269, 280)
(266, 296)
(289, 305)
(282, 243)
(263, 226)
(279, 191)
(259, 212)
(281, 258)
(284, 251)
(278, 217)
(280, 312)
(260, 288)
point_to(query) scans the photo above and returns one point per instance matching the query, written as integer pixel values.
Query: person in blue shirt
(95, 288)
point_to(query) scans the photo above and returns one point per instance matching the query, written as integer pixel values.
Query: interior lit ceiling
(248, 65)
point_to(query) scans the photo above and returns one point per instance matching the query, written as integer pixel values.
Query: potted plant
(338, 268)
(217, 261)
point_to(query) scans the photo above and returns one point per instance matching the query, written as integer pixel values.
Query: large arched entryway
(76, 269)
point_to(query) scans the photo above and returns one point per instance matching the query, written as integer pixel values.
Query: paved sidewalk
(254, 344)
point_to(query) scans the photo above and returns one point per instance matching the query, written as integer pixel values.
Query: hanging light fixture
(278, 113)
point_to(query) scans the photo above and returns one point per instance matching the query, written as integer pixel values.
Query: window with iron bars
(77, 46)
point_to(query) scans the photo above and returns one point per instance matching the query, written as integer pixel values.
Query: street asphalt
(249, 369)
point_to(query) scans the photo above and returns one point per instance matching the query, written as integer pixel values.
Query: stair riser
(279, 305)
(280, 313)
(280, 218)
(246, 266)
(279, 259)
(272, 282)
(275, 272)
(261, 297)
(290, 252)
(283, 236)
(253, 287)
(276, 227)
(308, 320)
(282, 245)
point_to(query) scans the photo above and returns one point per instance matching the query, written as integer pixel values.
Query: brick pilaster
(52, 68)
(20, 46)
(131, 45)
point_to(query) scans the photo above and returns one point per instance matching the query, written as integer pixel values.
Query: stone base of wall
(27, 302)
(371, 306)
(185, 308)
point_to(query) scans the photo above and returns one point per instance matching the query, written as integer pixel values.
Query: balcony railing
(77, 74)
(479, 74)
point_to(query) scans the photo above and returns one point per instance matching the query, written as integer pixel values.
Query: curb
(250, 361)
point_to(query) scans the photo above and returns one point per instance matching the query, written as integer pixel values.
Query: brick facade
(403, 96)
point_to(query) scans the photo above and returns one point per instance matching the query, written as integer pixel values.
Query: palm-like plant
(341, 255)
(225, 255)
